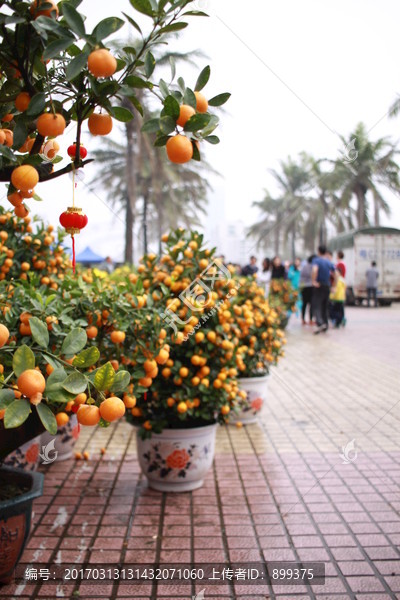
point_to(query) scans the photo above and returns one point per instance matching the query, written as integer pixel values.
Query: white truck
(360, 248)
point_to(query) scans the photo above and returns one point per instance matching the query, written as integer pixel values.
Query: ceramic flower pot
(61, 445)
(25, 457)
(256, 389)
(15, 516)
(177, 460)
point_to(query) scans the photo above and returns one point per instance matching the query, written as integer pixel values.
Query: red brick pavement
(278, 491)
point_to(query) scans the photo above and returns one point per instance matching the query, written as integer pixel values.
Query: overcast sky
(300, 72)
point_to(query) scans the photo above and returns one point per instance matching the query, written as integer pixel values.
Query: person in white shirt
(264, 277)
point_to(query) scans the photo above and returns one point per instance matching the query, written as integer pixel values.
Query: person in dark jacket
(306, 287)
(278, 269)
(251, 268)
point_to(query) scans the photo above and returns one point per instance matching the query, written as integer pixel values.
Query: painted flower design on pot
(26, 457)
(172, 461)
(256, 404)
(178, 459)
(32, 454)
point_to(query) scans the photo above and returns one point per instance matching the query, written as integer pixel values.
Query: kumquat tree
(55, 73)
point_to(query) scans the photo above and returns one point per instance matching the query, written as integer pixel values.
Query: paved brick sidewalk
(279, 491)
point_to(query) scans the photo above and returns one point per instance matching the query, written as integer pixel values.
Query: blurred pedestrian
(306, 288)
(294, 278)
(264, 277)
(107, 265)
(294, 273)
(372, 275)
(337, 299)
(340, 264)
(278, 270)
(251, 268)
(322, 269)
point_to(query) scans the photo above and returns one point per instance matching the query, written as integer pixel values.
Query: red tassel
(145, 396)
(73, 254)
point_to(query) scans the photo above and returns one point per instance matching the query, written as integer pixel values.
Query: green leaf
(181, 83)
(171, 108)
(54, 387)
(196, 13)
(173, 27)
(11, 19)
(104, 377)
(220, 99)
(202, 79)
(163, 88)
(211, 126)
(121, 381)
(16, 413)
(196, 152)
(54, 380)
(74, 342)
(20, 134)
(54, 48)
(40, 332)
(190, 98)
(150, 126)
(136, 104)
(142, 6)
(36, 105)
(74, 19)
(106, 27)
(76, 66)
(6, 398)
(75, 383)
(8, 154)
(121, 114)
(47, 417)
(212, 139)
(86, 358)
(197, 122)
(23, 359)
(149, 64)
(137, 82)
(167, 124)
(132, 22)
(43, 24)
(161, 141)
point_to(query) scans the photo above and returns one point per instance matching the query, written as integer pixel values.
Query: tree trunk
(131, 186)
(322, 227)
(376, 212)
(128, 255)
(159, 222)
(361, 203)
(277, 235)
(293, 242)
(145, 205)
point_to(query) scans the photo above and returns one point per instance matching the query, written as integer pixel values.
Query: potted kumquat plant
(283, 298)
(261, 341)
(193, 385)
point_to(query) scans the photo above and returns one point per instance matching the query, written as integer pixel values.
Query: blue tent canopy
(88, 256)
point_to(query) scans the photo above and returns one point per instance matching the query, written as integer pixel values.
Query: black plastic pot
(15, 518)
(11, 439)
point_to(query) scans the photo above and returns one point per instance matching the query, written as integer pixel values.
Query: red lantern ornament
(73, 220)
(72, 151)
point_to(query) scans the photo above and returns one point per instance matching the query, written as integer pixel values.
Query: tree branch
(44, 175)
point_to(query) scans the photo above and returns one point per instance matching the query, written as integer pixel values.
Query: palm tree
(272, 210)
(324, 204)
(171, 194)
(142, 173)
(371, 167)
(283, 215)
